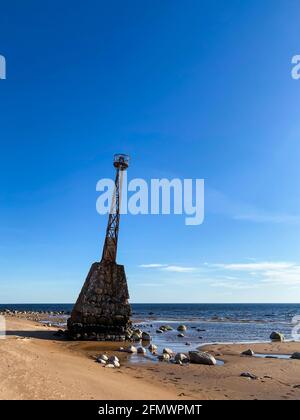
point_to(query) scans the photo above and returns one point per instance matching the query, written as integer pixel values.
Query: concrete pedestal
(102, 310)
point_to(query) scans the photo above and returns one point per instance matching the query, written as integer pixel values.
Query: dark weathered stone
(102, 311)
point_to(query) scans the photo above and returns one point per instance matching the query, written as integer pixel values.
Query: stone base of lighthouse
(102, 311)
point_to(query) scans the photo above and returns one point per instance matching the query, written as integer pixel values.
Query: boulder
(181, 328)
(168, 351)
(146, 336)
(152, 348)
(101, 361)
(102, 357)
(131, 349)
(202, 358)
(181, 357)
(113, 359)
(277, 336)
(164, 357)
(295, 356)
(248, 352)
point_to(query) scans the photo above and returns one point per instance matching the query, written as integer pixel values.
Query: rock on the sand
(295, 356)
(248, 352)
(131, 349)
(202, 358)
(164, 357)
(141, 350)
(168, 351)
(110, 365)
(113, 359)
(277, 336)
(101, 361)
(248, 375)
(181, 357)
(102, 357)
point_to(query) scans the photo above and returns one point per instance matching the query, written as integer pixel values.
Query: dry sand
(36, 365)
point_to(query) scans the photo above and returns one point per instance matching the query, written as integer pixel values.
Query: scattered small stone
(180, 335)
(188, 344)
(181, 328)
(110, 365)
(248, 375)
(277, 336)
(202, 358)
(248, 352)
(141, 350)
(121, 349)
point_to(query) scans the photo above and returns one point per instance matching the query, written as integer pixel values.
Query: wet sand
(37, 365)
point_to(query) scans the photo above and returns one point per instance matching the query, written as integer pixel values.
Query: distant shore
(35, 364)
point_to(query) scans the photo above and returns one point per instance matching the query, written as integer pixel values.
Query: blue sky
(195, 89)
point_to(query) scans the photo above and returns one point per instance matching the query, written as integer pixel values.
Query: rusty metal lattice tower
(109, 254)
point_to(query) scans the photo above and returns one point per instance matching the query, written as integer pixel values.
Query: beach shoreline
(35, 364)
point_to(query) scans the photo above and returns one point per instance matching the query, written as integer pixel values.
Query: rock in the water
(182, 328)
(146, 336)
(295, 356)
(277, 336)
(248, 375)
(141, 350)
(180, 335)
(152, 348)
(168, 351)
(113, 359)
(159, 331)
(165, 328)
(202, 358)
(248, 352)
(131, 349)
(164, 357)
(181, 357)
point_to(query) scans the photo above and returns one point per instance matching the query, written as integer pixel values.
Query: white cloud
(271, 273)
(179, 269)
(152, 265)
(170, 268)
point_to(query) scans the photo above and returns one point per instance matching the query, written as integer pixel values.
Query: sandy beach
(37, 365)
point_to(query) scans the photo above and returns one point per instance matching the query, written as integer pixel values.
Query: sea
(206, 323)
